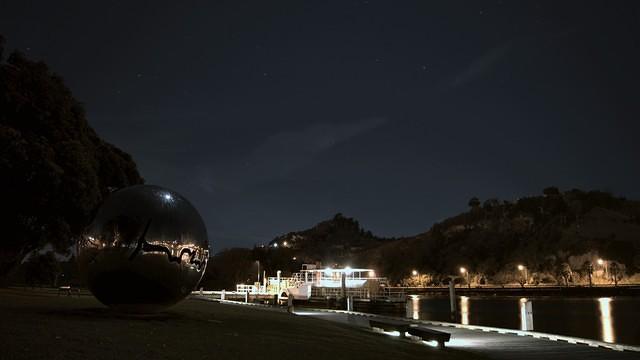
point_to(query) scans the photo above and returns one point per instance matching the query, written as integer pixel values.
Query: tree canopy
(54, 169)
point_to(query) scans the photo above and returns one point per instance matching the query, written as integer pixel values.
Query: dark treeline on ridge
(558, 237)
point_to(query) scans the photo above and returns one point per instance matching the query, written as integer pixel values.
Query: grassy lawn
(41, 325)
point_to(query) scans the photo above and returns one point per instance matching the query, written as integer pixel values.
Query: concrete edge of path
(537, 335)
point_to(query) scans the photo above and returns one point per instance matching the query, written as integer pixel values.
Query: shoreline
(571, 291)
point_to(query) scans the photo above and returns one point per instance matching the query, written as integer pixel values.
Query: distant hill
(558, 236)
(334, 240)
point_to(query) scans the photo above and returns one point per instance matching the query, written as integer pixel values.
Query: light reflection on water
(464, 310)
(589, 318)
(415, 306)
(606, 320)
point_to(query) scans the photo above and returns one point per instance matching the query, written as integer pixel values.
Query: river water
(613, 320)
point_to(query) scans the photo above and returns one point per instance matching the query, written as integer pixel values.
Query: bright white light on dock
(526, 315)
(457, 342)
(432, 343)
(372, 273)
(275, 245)
(606, 320)
(347, 270)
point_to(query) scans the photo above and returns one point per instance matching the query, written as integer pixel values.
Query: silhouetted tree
(615, 270)
(587, 268)
(565, 273)
(474, 203)
(55, 169)
(42, 269)
(551, 191)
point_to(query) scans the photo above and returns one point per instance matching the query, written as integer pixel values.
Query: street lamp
(414, 272)
(523, 269)
(604, 264)
(464, 271)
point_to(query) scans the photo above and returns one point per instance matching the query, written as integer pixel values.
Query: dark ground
(38, 324)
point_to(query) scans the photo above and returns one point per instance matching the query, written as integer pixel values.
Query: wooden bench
(428, 334)
(390, 325)
(68, 290)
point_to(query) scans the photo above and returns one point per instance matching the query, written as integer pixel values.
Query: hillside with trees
(558, 237)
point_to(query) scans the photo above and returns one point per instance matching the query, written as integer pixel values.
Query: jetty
(493, 343)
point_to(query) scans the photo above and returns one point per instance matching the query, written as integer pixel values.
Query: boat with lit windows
(315, 282)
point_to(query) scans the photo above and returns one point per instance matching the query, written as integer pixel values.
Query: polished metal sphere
(146, 249)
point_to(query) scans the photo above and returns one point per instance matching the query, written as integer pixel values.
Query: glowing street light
(284, 243)
(372, 273)
(604, 264)
(414, 272)
(523, 268)
(464, 271)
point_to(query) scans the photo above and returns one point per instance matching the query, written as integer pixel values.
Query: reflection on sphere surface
(146, 249)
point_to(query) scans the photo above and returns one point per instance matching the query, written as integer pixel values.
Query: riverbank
(530, 290)
(41, 325)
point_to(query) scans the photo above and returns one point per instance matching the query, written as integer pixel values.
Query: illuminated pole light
(526, 276)
(464, 271)
(603, 263)
(526, 315)
(414, 272)
(284, 243)
(347, 270)
(372, 273)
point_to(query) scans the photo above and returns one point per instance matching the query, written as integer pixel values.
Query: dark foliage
(42, 269)
(230, 267)
(54, 169)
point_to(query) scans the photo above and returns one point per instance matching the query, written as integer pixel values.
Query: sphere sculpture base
(146, 249)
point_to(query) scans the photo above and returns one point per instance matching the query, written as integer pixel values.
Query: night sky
(272, 116)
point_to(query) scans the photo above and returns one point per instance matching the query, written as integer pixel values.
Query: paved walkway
(493, 344)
